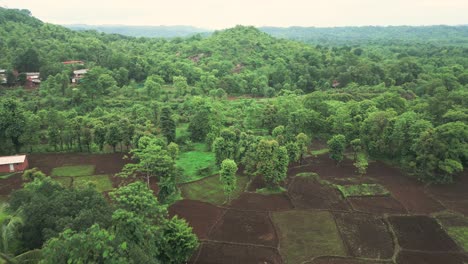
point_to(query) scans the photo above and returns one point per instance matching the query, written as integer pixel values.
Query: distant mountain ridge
(142, 31)
(313, 35)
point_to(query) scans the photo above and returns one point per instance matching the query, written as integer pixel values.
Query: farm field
(313, 222)
(327, 214)
(360, 220)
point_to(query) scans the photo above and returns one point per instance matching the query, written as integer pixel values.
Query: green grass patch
(182, 130)
(211, 190)
(7, 175)
(456, 226)
(64, 181)
(73, 171)
(307, 234)
(102, 182)
(311, 175)
(363, 189)
(319, 152)
(196, 164)
(268, 191)
(460, 235)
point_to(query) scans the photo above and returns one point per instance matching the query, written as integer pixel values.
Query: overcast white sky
(217, 14)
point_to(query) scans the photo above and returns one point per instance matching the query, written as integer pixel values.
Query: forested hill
(137, 75)
(338, 36)
(143, 31)
(332, 36)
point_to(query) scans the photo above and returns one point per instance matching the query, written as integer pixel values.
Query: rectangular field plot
(73, 171)
(101, 182)
(211, 190)
(307, 234)
(456, 226)
(363, 189)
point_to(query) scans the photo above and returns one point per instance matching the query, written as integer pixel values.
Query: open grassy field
(196, 164)
(210, 190)
(102, 182)
(362, 190)
(73, 171)
(307, 234)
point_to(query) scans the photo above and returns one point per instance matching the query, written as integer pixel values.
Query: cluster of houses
(33, 79)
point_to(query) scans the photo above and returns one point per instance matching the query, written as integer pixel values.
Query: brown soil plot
(421, 233)
(411, 257)
(365, 236)
(407, 191)
(245, 227)
(307, 193)
(223, 253)
(343, 260)
(200, 216)
(105, 163)
(260, 202)
(377, 205)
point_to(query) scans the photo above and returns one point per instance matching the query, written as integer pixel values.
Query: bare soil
(260, 202)
(307, 193)
(105, 163)
(406, 190)
(200, 216)
(377, 205)
(344, 260)
(421, 233)
(224, 253)
(11, 184)
(246, 227)
(365, 236)
(411, 257)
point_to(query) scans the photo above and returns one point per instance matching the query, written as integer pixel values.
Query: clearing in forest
(196, 164)
(211, 190)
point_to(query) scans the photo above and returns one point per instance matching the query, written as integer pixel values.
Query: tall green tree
(227, 176)
(337, 146)
(12, 122)
(168, 125)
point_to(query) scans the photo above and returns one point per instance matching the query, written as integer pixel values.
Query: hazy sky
(216, 14)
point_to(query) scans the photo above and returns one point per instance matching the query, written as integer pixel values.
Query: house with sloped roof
(13, 163)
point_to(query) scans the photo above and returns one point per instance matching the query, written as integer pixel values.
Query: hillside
(266, 149)
(334, 36)
(337, 36)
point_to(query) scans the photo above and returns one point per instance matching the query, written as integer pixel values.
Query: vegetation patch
(460, 235)
(273, 190)
(211, 190)
(73, 171)
(319, 152)
(196, 164)
(101, 182)
(7, 175)
(64, 181)
(363, 189)
(456, 227)
(311, 175)
(307, 234)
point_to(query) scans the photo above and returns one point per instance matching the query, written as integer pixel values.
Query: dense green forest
(256, 101)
